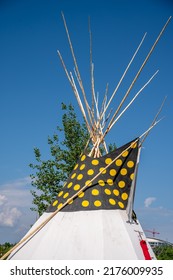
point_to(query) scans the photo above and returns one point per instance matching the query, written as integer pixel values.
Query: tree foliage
(49, 175)
(4, 248)
(164, 252)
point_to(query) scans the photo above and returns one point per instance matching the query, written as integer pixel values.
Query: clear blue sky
(33, 85)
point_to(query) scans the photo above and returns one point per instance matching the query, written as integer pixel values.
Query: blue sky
(33, 85)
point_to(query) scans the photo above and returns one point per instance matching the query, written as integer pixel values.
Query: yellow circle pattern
(108, 160)
(125, 154)
(82, 167)
(112, 201)
(70, 201)
(66, 195)
(95, 192)
(133, 145)
(95, 162)
(97, 203)
(81, 194)
(79, 177)
(101, 183)
(102, 170)
(121, 184)
(88, 183)
(121, 204)
(124, 196)
(60, 205)
(83, 157)
(110, 182)
(130, 163)
(73, 175)
(118, 162)
(76, 166)
(69, 185)
(107, 191)
(76, 187)
(113, 187)
(60, 193)
(55, 203)
(90, 172)
(112, 172)
(85, 203)
(123, 171)
(116, 192)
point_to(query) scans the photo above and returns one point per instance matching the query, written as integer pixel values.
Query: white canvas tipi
(97, 221)
(92, 216)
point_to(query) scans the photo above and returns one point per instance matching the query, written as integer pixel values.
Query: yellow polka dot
(121, 184)
(73, 175)
(82, 167)
(97, 203)
(108, 160)
(66, 195)
(110, 182)
(107, 191)
(95, 162)
(133, 145)
(69, 185)
(112, 201)
(60, 193)
(85, 203)
(123, 171)
(125, 154)
(76, 187)
(70, 201)
(116, 192)
(90, 172)
(124, 196)
(102, 170)
(76, 166)
(65, 184)
(55, 203)
(79, 177)
(60, 205)
(95, 192)
(83, 158)
(118, 162)
(132, 176)
(112, 172)
(88, 183)
(121, 204)
(101, 183)
(81, 194)
(130, 163)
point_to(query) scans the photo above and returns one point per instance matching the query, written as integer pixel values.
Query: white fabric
(101, 234)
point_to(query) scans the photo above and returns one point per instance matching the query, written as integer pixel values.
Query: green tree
(4, 248)
(49, 175)
(164, 252)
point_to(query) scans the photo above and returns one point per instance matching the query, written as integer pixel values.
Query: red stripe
(145, 250)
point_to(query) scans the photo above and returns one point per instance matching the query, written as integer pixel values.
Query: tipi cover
(98, 223)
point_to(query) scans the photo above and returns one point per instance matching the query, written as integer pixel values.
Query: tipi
(92, 216)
